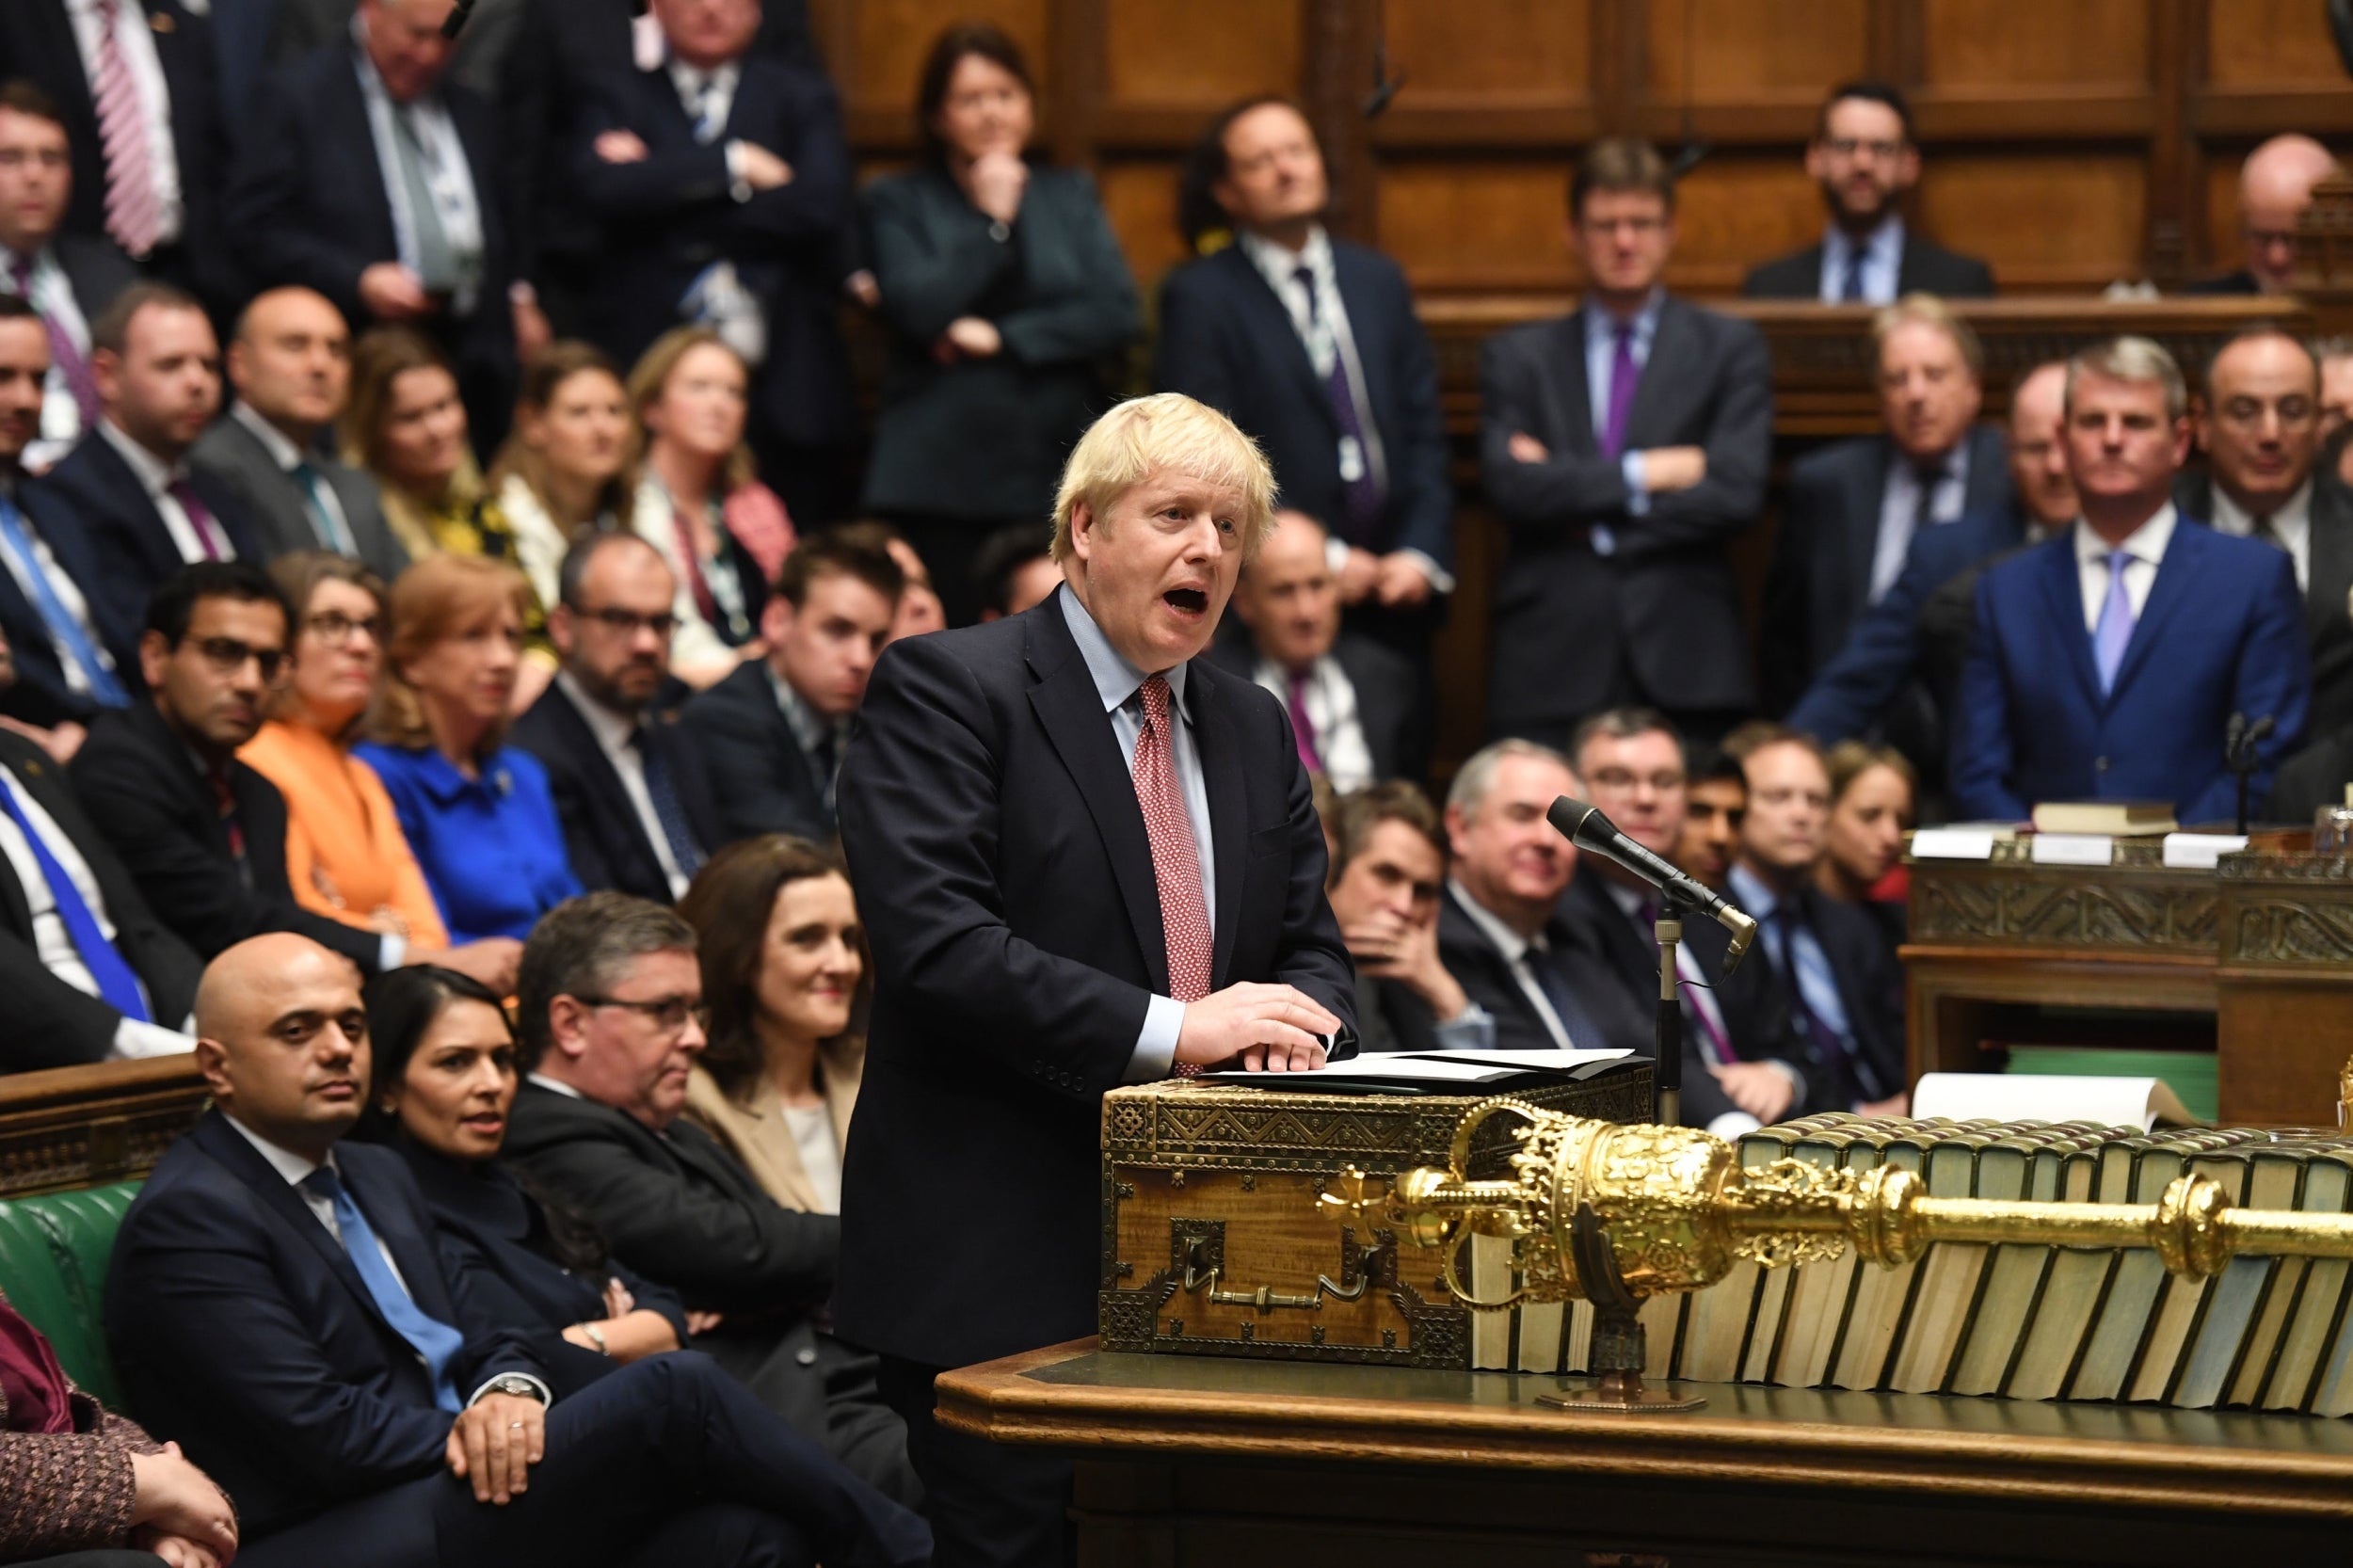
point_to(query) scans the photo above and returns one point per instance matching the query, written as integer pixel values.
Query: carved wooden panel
(2258, 43)
(1459, 225)
(2044, 220)
(2040, 906)
(2292, 910)
(875, 48)
(1753, 51)
(1139, 197)
(2000, 46)
(83, 1126)
(2219, 212)
(1201, 55)
(1493, 54)
(1737, 210)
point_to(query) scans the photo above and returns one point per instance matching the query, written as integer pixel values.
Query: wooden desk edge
(996, 1400)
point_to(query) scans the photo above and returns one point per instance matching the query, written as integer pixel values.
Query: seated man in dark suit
(143, 510)
(1623, 447)
(1313, 346)
(609, 1010)
(1735, 1078)
(1500, 930)
(291, 364)
(1715, 799)
(69, 278)
(2109, 662)
(204, 836)
(361, 174)
(1919, 628)
(2275, 185)
(1354, 703)
(1821, 981)
(1863, 157)
(90, 971)
(1388, 871)
(629, 786)
(772, 733)
(1014, 569)
(1856, 507)
(276, 1301)
(70, 663)
(722, 181)
(2259, 425)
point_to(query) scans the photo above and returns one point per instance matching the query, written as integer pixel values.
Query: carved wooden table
(1198, 1462)
(2263, 947)
(69, 1128)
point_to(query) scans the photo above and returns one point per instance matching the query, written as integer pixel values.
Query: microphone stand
(1667, 1037)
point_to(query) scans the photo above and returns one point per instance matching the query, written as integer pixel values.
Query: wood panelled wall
(2072, 142)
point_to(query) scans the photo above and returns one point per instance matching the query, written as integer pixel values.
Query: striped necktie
(135, 212)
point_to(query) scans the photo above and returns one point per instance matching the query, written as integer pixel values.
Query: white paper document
(2136, 1102)
(1436, 1066)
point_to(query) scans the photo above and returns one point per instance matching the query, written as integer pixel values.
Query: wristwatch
(517, 1385)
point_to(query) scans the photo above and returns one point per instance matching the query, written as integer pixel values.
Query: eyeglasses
(1847, 147)
(228, 656)
(628, 623)
(669, 1015)
(334, 628)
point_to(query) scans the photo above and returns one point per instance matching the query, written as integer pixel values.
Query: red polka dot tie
(1176, 862)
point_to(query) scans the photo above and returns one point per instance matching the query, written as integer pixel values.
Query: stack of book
(2025, 1322)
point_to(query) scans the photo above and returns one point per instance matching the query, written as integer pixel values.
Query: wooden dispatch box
(1213, 1243)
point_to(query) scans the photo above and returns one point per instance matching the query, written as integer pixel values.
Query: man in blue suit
(2109, 662)
(1312, 346)
(276, 1301)
(1919, 628)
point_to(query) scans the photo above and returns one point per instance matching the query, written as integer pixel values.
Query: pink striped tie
(1176, 860)
(133, 210)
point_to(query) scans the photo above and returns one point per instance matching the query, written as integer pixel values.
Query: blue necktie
(1851, 293)
(117, 985)
(2114, 633)
(1543, 966)
(432, 1339)
(332, 534)
(666, 808)
(64, 630)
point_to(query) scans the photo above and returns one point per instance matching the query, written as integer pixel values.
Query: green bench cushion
(53, 1251)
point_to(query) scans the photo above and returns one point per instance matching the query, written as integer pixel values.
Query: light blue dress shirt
(1817, 981)
(1601, 353)
(1116, 681)
(1882, 263)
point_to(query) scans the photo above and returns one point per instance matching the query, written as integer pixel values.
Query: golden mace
(1611, 1213)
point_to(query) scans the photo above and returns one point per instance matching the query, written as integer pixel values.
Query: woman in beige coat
(785, 971)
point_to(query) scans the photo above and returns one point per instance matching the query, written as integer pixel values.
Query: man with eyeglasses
(1625, 446)
(2259, 425)
(629, 786)
(203, 834)
(1632, 764)
(610, 1019)
(1865, 158)
(2275, 185)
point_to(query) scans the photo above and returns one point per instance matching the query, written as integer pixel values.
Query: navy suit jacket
(670, 215)
(1821, 578)
(126, 547)
(1870, 985)
(1227, 339)
(39, 694)
(2222, 632)
(1004, 873)
(242, 1328)
(758, 775)
(1926, 267)
(1664, 603)
(604, 837)
(1887, 648)
(1389, 709)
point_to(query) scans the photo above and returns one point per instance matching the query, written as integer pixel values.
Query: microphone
(1582, 823)
(454, 22)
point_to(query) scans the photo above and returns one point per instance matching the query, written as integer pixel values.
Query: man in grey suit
(1856, 505)
(291, 366)
(1624, 446)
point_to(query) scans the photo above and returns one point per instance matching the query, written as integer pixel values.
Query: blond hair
(437, 597)
(2131, 359)
(1926, 310)
(649, 378)
(1166, 430)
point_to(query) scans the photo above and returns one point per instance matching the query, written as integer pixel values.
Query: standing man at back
(1086, 856)
(1624, 446)
(1311, 344)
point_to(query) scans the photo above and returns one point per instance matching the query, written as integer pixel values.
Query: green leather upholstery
(53, 1251)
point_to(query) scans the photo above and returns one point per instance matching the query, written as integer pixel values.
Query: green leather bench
(53, 1251)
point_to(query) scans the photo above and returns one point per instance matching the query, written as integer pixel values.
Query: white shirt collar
(555, 1085)
(2290, 522)
(1507, 941)
(1116, 679)
(295, 1167)
(281, 451)
(153, 472)
(2145, 543)
(612, 730)
(1278, 264)
(808, 727)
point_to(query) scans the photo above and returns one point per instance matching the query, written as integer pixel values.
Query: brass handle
(1266, 1298)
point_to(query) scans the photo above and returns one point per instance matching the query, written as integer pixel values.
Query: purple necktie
(198, 518)
(1360, 497)
(62, 351)
(2114, 633)
(1624, 374)
(1304, 727)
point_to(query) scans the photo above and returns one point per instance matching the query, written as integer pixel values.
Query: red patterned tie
(1176, 862)
(134, 212)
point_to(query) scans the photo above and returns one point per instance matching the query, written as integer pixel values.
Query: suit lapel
(1272, 326)
(612, 798)
(420, 1266)
(1988, 483)
(1654, 386)
(1365, 324)
(1220, 747)
(228, 1147)
(2171, 588)
(1071, 711)
(1576, 396)
(2329, 570)
(1867, 493)
(2063, 590)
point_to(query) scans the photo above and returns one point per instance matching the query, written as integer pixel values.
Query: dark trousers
(992, 1505)
(666, 1461)
(825, 1391)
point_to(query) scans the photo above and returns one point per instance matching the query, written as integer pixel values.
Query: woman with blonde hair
(567, 467)
(477, 813)
(784, 975)
(700, 503)
(1873, 795)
